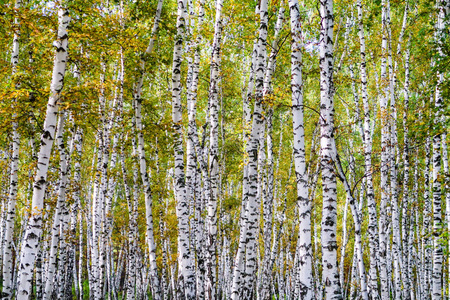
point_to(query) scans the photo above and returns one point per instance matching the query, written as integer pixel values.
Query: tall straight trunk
(239, 259)
(243, 275)
(63, 267)
(447, 188)
(406, 203)
(426, 246)
(303, 270)
(253, 206)
(81, 253)
(3, 208)
(393, 162)
(210, 284)
(367, 139)
(330, 274)
(400, 240)
(446, 9)
(7, 258)
(185, 260)
(438, 254)
(414, 240)
(75, 209)
(34, 227)
(132, 230)
(97, 207)
(156, 289)
(268, 198)
(194, 156)
(155, 284)
(385, 189)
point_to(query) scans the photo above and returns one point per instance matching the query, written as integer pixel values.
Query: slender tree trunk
(426, 248)
(34, 227)
(367, 138)
(7, 249)
(185, 260)
(156, 289)
(438, 254)
(266, 270)
(407, 215)
(249, 224)
(210, 284)
(330, 274)
(239, 259)
(253, 206)
(385, 190)
(304, 267)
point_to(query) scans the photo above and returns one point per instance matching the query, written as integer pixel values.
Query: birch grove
(198, 149)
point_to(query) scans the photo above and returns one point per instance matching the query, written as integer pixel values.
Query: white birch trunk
(303, 271)
(239, 259)
(438, 255)
(367, 138)
(253, 206)
(385, 189)
(156, 289)
(34, 227)
(266, 270)
(330, 275)
(426, 248)
(249, 224)
(132, 216)
(7, 247)
(393, 161)
(447, 188)
(185, 261)
(210, 284)
(407, 273)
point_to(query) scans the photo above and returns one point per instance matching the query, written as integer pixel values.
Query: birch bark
(330, 274)
(213, 156)
(34, 227)
(406, 214)
(7, 246)
(252, 152)
(304, 271)
(385, 191)
(185, 261)
(438, 254)
(367, 139)
(267, 269)
(239, 259)
(249, 224)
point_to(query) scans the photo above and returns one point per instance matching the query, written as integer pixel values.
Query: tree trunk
(330, 275)
(185, 260)
(210, 284)
(7, 249)
(34, 227)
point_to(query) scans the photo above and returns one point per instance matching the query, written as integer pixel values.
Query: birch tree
(34, 227)
(7, 266)
(330, 275)
(185, 257)
(304, 206)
